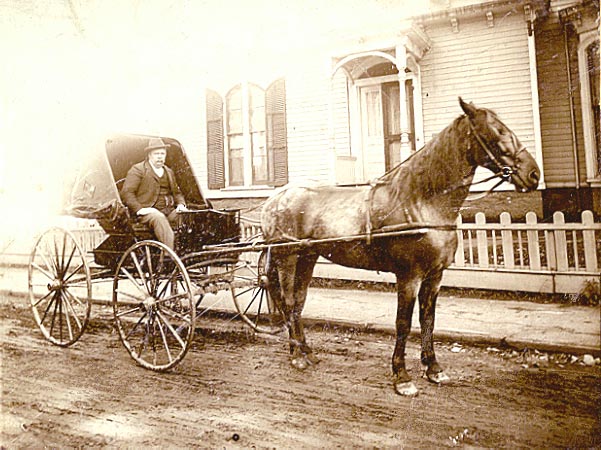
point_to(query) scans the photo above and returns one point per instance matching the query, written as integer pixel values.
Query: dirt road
(237, 390)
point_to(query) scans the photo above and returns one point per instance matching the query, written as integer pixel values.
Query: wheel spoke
(44, 271)
(165, 344)
(75, 271)
(65, 310)
(59, 267)
(75, 299)
(173, 332)
(177, 316)
(50, 266)
(252, 299)
(258, 293)
(63, 249)
(137, 323)
(50, 304)
(148, 259)
(78, 282)
(170, 328)
(173, 297)
(140, 272)
(131, 278)
(56, 302)
(66, 266)
(41, 299)
(70, 306)
(131, 311)
(127, 294)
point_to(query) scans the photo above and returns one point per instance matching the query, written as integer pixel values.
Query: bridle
(505, 171)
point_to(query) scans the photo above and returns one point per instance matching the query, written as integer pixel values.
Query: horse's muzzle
(526, 180)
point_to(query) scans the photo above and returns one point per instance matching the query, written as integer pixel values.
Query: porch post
(401, 63)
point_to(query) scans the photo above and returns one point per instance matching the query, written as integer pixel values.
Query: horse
(426, 191)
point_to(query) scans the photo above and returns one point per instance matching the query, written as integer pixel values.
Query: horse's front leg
(406, 294)
(427, 311)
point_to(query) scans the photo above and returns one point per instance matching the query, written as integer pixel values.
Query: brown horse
(428, 188)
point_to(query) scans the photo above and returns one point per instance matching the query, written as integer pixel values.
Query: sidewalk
(549, 327)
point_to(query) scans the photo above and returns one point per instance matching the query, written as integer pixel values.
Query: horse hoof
(299, 363)
(438, 378)
(406, 389)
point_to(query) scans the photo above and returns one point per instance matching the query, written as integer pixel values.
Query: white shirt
(158, 170)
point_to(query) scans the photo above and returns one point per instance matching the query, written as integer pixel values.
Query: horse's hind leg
(293, 276)
(273, 285)
(302, 355)
(427, 310)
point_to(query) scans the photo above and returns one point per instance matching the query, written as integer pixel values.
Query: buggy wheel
(153, 305)
(60, 286)
(248, 288)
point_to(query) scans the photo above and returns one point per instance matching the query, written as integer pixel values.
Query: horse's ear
(468, 108)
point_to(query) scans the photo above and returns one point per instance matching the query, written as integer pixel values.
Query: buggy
(157, 292)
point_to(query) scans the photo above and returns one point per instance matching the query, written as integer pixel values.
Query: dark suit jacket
(141, 187)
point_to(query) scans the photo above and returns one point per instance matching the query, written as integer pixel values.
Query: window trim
(592, 170)
(226, 146)
(275, 135)
(248, 181)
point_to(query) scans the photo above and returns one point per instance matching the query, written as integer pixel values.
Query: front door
(372, 131)
(381, 126)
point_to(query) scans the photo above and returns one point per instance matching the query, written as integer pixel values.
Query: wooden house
(352, 100)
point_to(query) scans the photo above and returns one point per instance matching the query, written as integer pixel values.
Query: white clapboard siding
(340, 114)
(308, 119)
(489, 66)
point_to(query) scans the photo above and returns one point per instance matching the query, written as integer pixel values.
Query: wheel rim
(153, 305)
(60, 286)
(252, 300)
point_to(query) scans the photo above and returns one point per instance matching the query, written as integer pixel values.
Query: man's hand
(145, 211)
(181, 208)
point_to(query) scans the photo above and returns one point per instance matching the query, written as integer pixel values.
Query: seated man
(152, 194)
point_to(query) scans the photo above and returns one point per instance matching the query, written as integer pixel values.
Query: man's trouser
(160, 224)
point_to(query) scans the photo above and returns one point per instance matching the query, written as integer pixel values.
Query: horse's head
(500, 150)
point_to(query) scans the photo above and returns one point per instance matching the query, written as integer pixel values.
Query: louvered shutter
(275, 110)
(215, 159)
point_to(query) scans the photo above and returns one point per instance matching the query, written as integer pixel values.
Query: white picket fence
(554, 257)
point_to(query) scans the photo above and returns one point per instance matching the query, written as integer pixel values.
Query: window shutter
(277, 141)
(215, 159)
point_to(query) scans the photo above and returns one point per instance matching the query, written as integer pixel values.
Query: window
(592, 63)
(235, 136)
(262, 164)
(588, 64)
(255, 144)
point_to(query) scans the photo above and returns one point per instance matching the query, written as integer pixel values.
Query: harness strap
(368, 200)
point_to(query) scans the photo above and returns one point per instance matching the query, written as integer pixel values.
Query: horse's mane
(423, 170)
